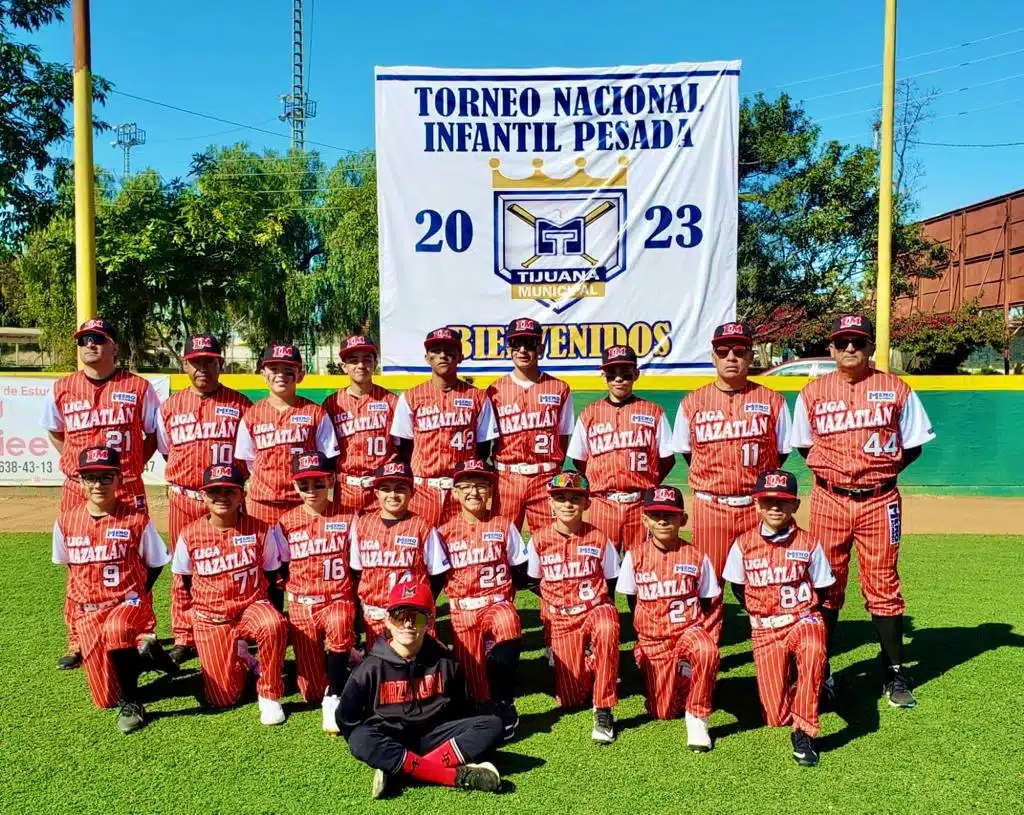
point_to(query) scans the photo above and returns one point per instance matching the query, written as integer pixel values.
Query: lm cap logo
(851, 322)
(220, 471)
(662, 494)
(88, 325)
(394, 468)
(202, 343)
(732, 330)
(283, 351)
(774, 481)
(308, 462)
(97, 456)
(559, 238)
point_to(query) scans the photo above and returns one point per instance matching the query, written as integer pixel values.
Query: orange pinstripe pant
(775, 649)
(224, 672)
(715, 527)
(474, 633)
(586, 652)
(872, 525)
(622, 523)
(310, 627)
(524, 497)
(71, 496)
(181, 511)
(109, 629)
(668, 693)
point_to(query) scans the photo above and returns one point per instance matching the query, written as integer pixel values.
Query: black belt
(857, 493)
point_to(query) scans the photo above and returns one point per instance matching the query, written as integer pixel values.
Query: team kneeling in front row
(236, 570)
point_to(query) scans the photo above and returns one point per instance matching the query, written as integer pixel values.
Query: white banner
(26, 455)
(600, 201)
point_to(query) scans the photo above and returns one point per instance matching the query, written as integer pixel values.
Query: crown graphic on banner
(541, 180)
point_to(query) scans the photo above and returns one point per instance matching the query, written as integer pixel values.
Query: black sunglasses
(528, 345)
(91, 339)
(739, 351)
(841, 343)
(625, 374)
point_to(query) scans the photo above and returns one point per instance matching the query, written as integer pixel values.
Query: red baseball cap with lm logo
(775, 484)
(202, 345)
(732, 332)
(228, 475)
(359, 342)
(415, 595)
(852, 324)
(97, 326)
(99, 458)
(286, 354)
(311, 465)
(443, 336)
(663, 499)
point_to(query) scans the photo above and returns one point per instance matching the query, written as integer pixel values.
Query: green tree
(35, 96)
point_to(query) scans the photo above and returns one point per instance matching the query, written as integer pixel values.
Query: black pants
(385, 749)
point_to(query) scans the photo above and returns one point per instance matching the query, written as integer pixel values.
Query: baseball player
(668, 583)
(777, 570)
(362, 414)
(441, 422)
(535, 421)
(622, 443)
(227, 561)
(859, 428)
(277, 427)
(484, 549)
(392, 545)
(114, 556)
(577, 564)
(314, 538)
(401, 710)
(100, 406)
(729, 431)
(196, 428)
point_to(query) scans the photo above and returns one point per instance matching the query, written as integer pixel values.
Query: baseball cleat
(271, 712)
(483, 776)
(805, 753)
(182, 653)
(604, 726)
(69, 662)
(897, 689)
(131, 717)
(382, 785)
(155, 658)
(330, 709)
(509, 716)
(698, 738)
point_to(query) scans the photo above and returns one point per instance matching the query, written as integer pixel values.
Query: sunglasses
(311, 484)
(91, 339)
(519, 344)
(404, 616)
(738, 351)
(625, 374)
(473, 487)
(841, 343)
(106, 479)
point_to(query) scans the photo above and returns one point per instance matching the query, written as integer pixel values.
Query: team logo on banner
(559, 239)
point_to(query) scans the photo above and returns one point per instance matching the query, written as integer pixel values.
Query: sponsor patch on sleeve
(550, 399)
(301, 418)
(118, 534)
(685, 568)
(124, 397)
(757, 407)
(895, 524)
(336, 526)
(407, 540)
(798, 554)
(588, 551)
(463, 403)
(642, 418)
(226, 410)
(377, 407)
(881, 396)
(243, 540)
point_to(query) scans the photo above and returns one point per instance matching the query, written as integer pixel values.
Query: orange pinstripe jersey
(390, 552)
(572, 568)
(196, 431)
(317, 548)
(530, 420)
(733, 437)
(362, 424)
(481, 557)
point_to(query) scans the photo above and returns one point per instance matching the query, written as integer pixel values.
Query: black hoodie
(391, 694)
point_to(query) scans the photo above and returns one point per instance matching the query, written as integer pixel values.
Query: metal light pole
(883, 294)
(129, 135)
(85, 199)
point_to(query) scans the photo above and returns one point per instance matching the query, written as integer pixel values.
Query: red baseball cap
(392, 471)
(414, 595)
(202, 345)
(473, 467)
(618, 355)
(285, 354)
(229, 475)
(732, 332)
(97, 326)
(99, 458)
(524, 327)
(357, 343)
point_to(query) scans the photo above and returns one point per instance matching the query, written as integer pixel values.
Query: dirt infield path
(32, 509)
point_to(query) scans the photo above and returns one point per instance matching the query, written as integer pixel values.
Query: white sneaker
(697, 737)
(250, 661)
(271, 711)
(330, 708)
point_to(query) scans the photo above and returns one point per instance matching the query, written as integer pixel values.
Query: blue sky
(215, 58)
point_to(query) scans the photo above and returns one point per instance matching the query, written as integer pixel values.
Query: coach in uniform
(100, 406)
(196, 428)
(729, 431)
(859, 428)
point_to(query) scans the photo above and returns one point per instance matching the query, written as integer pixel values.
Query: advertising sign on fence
(601, 202)
(26, 455)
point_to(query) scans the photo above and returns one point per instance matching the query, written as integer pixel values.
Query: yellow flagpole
(883, 295)
(85, 197)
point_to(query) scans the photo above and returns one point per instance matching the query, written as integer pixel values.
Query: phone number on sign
(30, 467)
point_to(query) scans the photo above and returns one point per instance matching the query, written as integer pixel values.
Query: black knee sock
(890, 636)
(503, 670)
(337, 672)
(126, 668)
(831, 618)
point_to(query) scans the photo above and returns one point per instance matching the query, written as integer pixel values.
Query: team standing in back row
(365, 505)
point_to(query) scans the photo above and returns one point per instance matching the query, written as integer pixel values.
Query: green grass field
(961, 750)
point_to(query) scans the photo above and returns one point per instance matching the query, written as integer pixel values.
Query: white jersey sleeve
(708, 585)
(819, 569)
(915, 426)
(681, 432)
(50, 418)
(244, 448)
(783, 425)
(58, 551)
(734, 571)
(150, 410)
(626, 583)
(515, 548)
(163, 441)
(271, 552)
(152, 548)
(800, 433)
(401, 424)
(664, 437)
(486, 425)
(284, 551)
(181, 563)
(579, 448)
(610, 561)
(327, 439)
(532, 561)
(353, 547)
(435, 556)
(566, 418)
